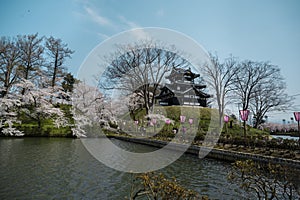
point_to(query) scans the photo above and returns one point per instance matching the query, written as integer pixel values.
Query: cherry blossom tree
(37, 104)
(87, 109)
(8, 116)
(31, 72)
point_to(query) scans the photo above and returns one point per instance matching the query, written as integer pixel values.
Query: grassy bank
(49, 130)
(44, 126)
(203, 119)
(231, 138)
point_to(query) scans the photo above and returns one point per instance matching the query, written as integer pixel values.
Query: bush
(267, 181)
(113, 125)
(156, 186)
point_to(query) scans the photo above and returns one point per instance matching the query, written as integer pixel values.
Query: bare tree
(267, 97)
(250, 81)
(58, 52)
(140, 69)
(252, 75)
(9, 61)
(220, 77)
(31, 56)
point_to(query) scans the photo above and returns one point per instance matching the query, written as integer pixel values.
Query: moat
(61, 168)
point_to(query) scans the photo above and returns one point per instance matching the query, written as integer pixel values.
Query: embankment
(220, 154)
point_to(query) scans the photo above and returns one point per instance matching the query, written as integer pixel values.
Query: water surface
(61, 168)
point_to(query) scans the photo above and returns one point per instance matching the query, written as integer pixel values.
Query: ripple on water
(49, 168)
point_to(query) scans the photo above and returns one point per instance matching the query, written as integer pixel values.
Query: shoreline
(214, 153)
(218, 154)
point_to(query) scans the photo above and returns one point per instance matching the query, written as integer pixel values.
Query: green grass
(202, 122)
(30, 126)
(32, 130)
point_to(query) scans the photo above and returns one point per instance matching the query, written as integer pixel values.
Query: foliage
(47, 130)
(156, 186)
(29, 126)
(68, 85)
(267, 181)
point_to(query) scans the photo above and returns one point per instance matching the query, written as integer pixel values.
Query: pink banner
(226, 118)
(182, 118)
(297, 116)
(244, 114)
(153, 121)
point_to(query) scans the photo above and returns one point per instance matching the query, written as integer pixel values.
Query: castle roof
(178, 73)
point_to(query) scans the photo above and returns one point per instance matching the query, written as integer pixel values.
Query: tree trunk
(39, 126)
(26, 77)
(54, 70)
(245, 133)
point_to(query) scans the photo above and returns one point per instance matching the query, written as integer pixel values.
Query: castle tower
(182, 90)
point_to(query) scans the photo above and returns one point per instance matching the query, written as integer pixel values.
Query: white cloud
(103, 36)
(138, 32)
(118, 24)
(128, 23)
(97, 18)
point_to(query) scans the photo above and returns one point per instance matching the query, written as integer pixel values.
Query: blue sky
(267, 30)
